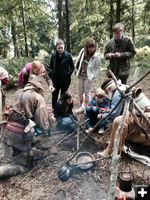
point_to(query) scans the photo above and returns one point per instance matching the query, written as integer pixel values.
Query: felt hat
(39, 81)
(106, 83)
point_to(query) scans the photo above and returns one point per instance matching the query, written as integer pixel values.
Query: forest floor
(42, 182)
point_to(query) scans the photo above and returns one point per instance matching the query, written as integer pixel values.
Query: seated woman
(63, 112)
(34, 68)
(99, 103)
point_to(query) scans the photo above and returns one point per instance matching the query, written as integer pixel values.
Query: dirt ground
(42, 182)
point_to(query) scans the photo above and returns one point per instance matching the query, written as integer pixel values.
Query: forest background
(29, 28)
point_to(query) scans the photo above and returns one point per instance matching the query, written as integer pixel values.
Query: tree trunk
(60, 20)
(118, 7)
(14, 37)
(67, 27)
(111, 19)
(24, 29)
(133, 21)
(87, 6)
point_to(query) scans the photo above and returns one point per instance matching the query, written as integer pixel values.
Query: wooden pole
(115, 158)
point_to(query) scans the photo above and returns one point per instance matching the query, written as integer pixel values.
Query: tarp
(141, 158)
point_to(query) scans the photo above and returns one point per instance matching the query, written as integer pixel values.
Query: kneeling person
(29, 109)
(63, 113)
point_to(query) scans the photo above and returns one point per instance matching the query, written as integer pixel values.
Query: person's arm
(41, 115)
(107, 52)
(51, 67)
(116, 98)
(91, 103)
(49, 81)
(71, 65)
(130, 50)
(97, 65)
(78, 61)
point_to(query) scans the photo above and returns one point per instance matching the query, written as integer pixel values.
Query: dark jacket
(60, 70)
(120, 66)
(63, 109)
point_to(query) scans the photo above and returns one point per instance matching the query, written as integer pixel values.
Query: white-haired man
(131, 129)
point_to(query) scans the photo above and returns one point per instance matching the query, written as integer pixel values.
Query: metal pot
(64, 172)
(84, 161)
(87, 158)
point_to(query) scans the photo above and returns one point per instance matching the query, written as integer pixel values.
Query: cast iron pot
(84, 161)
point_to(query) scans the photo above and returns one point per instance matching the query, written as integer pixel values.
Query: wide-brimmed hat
(39, 81)
(106, 83)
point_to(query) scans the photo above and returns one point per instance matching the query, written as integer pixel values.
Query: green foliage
(143, 53)
(87, 19)
(13, 66)
(143, 56)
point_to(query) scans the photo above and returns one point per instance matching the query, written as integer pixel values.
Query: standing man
(119, 50)
(61, 68)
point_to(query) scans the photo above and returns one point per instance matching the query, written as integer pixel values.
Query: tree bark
(111, 19)
(118, 10)
(14, 37)
(24, 28)
(60, 20)
(67, 27)
(133, 20)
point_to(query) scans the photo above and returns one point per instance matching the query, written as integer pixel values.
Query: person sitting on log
(98, 104)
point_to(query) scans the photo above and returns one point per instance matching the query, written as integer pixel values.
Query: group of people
(30, 113)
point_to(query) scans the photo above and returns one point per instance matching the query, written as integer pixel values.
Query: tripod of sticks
(129, 106)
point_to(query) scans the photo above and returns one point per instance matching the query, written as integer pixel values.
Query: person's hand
(50, 109)
(103, 110)
(117, 54)
(111, 55)
(53, 119)
(51, 88)
(100, 116)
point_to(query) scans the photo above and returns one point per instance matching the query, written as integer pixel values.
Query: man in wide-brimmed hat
(29, 110)
(132, 131)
